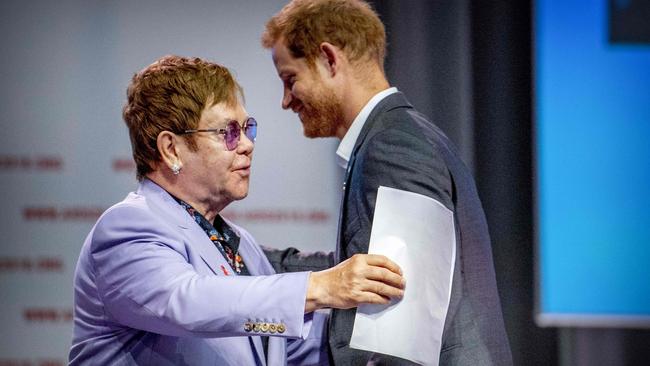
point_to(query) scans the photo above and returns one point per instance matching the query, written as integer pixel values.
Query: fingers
(380, 268)
(384, 275)
(363, 278)
(378, 275)
(378, 293)
(384, 290)
(379, 260)
(373, 298)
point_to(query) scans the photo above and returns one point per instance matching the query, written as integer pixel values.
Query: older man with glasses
(163, 279)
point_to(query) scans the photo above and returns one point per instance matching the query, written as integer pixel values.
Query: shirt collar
(350, 139)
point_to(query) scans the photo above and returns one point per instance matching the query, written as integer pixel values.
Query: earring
(176, 168)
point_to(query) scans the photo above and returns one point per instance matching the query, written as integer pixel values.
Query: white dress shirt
(349, 140)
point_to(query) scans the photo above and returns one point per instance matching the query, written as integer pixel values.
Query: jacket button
(273, 328)
(264, 327)
(248, 326)
(256, 327)
(281, 328)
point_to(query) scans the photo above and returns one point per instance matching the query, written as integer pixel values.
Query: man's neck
(358, 96)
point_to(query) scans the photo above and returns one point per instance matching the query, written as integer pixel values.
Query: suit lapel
(170, 209)
(392, 101)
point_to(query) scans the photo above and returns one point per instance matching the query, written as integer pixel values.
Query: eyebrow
(224, 122)
(218, 123)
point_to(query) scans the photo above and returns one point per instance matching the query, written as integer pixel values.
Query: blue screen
(592, 127)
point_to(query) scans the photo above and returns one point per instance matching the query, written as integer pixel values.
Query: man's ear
(331, 57)
(167, 143)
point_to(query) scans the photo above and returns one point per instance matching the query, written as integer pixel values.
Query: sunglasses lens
(251, 129)
(232, 135)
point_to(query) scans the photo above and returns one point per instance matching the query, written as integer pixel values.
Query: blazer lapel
(392, 101)
(395, 100)
(176, 215)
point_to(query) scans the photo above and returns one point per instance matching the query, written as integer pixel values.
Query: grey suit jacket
(400, 148)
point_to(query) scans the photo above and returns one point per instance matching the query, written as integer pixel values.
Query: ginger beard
(321, 112)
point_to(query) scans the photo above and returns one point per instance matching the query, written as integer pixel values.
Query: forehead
(284, 62)
(219, 114)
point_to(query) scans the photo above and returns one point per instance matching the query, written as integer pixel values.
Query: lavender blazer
(149, 289)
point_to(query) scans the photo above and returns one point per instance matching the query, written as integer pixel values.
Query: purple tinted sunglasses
(232, 132)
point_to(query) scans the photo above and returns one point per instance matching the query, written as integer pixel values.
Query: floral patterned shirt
(223, 237)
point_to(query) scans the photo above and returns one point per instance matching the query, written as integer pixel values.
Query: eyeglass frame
(224, 131)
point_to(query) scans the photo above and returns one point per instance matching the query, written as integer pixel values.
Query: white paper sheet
(417, 233)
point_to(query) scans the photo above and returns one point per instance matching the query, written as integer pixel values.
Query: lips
(301, 112)
(297, 107)
(244, 169)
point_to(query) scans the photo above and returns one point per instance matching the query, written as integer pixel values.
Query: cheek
(294, 91)
(301, 88)
(219, 165)
(302, 94)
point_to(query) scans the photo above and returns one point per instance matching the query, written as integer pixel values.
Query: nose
(286, 99)
(245, 145)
